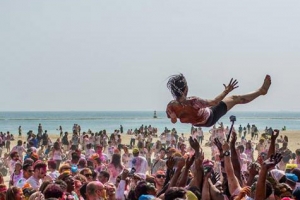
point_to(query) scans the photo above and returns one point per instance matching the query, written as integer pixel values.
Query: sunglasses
(160, 176)
(87, 175)
(30, 171)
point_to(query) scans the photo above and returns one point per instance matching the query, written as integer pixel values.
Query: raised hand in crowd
(261, 182)
(274, 136)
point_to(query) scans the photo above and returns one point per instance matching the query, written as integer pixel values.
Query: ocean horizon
(111, 120)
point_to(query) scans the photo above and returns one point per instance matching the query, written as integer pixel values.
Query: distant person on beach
(40, 129)
(20, 131)
(200, 112)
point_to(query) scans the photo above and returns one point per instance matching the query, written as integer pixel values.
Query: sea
(97, 120)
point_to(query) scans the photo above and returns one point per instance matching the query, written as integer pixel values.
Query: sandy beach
(294, 143)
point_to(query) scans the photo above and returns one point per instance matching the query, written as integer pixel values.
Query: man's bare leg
(231, 101)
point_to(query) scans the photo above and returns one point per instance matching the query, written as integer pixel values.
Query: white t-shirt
(54, 174)
(35, 183)
(140, 164)
(19, 149)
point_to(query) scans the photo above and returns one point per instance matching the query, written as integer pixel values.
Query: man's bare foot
(266, 85)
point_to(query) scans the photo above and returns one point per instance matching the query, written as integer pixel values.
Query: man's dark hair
(141, 189)
(105, 174)
(26, 166)
(83, 191)
(39, 165)
(53, 191)
(175, 192)
(52, 164)
(177, 84)
(13, 154)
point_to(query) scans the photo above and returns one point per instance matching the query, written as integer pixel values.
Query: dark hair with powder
(177, 84)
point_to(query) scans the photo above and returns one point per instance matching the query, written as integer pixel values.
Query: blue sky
(117, 55)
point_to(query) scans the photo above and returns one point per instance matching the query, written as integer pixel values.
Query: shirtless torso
(194, 111)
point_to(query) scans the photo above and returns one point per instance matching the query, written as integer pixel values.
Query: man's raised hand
(231, 86)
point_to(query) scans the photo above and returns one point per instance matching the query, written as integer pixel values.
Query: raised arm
(261, 182)
(233, 182)
(174, 179)
(184, 175)
(228, 88)
(205, 189)
(274, 136)
(197, 180)
(234, 158)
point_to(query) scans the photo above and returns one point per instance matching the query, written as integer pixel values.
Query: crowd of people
(98, 165)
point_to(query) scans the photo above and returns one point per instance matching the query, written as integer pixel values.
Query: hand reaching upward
(231, 86)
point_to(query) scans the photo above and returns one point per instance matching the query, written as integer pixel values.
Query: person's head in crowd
(282, 190)
(75, 157)
(36, 195)
(14, 156)
(248, 145)
(28, 191)
(91, 164)
(15, 193)
(170, 152)
(151, 189)
(51, 165)
(125, 148)
(53, 191)
(3, 190)
(261, 141)
(82, 163)
(116, 160)
(62, 184)
(95, 190)
(64, 168)
(80, 178)
(87, 172)
(141, 189)
(39, 170)
(68, 179)
(27, 170)
(278, 175)
(103, 176)
(28, 161)
(110, 189)
(175, 192)
(296, 171)
(159, 178)
(19, 143)
(18, 166)
(162, 153)
(182, 147)
(34, 156)
(44, 185)
(56, 146)
(241, 148)
(269, 189)
(296, 193)
(89, 146)
(135, 152)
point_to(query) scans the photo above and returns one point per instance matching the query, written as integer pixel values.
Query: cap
(135, 150)
(146, 197)
(191, 196)
(291, 176)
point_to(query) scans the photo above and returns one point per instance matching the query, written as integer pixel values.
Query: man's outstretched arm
(228, 88)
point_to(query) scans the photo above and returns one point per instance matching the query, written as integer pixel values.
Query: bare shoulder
(173, 103)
